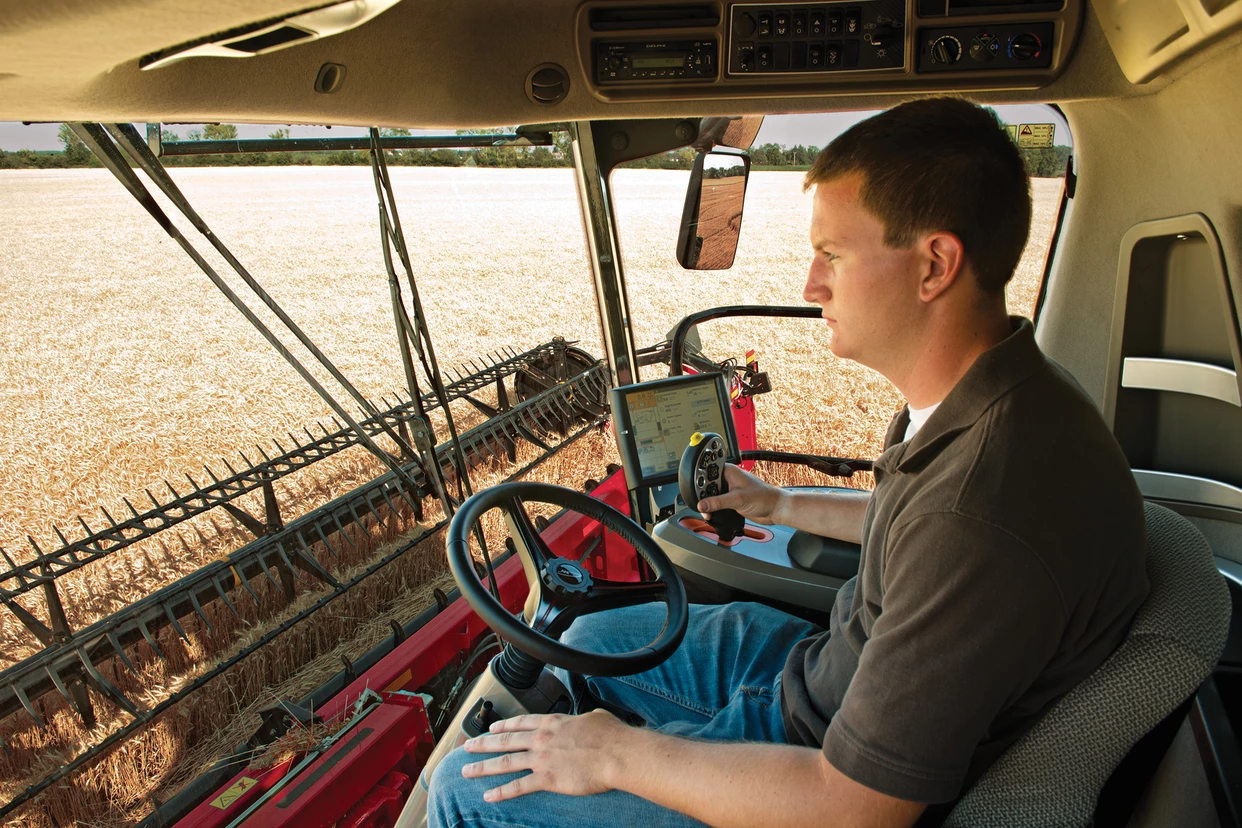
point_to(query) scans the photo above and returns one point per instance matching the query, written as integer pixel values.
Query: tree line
(1044, 162)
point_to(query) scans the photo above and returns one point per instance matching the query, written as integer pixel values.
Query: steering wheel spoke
(525, 536)
(606, 595)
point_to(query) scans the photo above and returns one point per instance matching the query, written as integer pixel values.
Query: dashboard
(633, 52)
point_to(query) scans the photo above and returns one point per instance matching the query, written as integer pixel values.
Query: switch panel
(810, 37)
(967, 48)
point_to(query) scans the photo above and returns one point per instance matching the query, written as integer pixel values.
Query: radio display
(657, 62)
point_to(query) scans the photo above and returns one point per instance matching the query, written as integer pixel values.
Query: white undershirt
(918, 416)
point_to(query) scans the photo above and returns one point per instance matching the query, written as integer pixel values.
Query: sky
(788, 130)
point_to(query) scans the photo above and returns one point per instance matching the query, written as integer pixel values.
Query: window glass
(820, 404)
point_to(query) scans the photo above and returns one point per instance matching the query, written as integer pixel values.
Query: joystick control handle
(701, 474)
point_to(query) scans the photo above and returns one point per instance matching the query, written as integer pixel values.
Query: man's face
(869, 292)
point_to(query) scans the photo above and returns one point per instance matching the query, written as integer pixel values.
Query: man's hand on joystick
(701, 475)
(746, 494)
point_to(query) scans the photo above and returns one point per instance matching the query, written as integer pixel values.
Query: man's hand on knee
(575, 755)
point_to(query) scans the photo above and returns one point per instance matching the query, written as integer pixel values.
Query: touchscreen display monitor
(656, 419)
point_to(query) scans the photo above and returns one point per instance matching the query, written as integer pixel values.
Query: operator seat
(1054, 773)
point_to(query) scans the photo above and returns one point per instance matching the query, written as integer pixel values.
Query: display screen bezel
(624, 430)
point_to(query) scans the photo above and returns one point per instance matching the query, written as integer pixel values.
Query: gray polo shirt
(1002, 561)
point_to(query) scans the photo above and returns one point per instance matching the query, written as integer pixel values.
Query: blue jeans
(722, 683)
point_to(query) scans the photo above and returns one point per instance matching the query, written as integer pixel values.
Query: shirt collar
(994, 373)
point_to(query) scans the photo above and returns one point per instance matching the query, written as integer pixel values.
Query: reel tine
(108, 516)
(267, 572)
(151, 642)
(305, 554)
(14, 568)
(324, 538)
(223, 593)
(120, 651)
(151, 498)
(106, 686)
(25, 700)
(168, 613)
(60, 686)
(198, 610)
(341, 533)
(239, 573)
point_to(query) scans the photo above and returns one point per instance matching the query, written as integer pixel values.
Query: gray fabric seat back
(1054, 773)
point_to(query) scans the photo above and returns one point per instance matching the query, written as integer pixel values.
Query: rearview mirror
(712, 219)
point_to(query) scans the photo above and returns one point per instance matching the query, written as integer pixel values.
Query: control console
(972, 48)
(814, 37)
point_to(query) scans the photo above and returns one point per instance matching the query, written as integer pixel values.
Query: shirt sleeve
(969, 618)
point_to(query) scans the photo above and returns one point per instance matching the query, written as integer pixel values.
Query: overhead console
(641, 52)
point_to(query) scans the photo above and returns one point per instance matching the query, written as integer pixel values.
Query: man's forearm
(835, 514)
(747, 784)
(723, 784)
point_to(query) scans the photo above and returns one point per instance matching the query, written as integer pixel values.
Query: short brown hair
(939, 164)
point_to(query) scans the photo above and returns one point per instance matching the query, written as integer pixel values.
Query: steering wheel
(561, 589)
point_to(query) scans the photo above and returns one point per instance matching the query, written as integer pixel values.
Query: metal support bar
(604, 251)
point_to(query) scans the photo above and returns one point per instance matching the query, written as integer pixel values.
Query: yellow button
(696, 438)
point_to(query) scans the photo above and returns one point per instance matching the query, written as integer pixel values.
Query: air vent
(547, 84)
(654, 17)
(269, 40)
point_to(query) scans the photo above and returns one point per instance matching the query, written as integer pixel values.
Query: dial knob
(947, 50)
(1024, 46)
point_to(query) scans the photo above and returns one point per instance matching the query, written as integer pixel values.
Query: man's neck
(947, 352)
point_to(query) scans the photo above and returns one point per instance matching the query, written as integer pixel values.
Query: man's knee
(617, 630)
(450, 792)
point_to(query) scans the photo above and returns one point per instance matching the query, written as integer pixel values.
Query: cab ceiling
(423, 63)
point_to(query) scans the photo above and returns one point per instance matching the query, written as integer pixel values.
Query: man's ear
(944, 261)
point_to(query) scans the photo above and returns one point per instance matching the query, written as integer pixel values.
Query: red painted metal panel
(385, 740)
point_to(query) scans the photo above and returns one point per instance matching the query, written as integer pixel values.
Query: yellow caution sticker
(235, 792)
(1036, 135)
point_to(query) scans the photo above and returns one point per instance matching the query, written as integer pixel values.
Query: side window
(820, 404)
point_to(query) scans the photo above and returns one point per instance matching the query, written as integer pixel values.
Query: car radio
(660, 60)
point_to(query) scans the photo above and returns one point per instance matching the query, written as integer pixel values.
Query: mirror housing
(712, 219)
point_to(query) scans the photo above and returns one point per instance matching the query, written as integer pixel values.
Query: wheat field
(122, 366)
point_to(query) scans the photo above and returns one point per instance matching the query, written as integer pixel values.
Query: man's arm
(837, 514)
(720, 783)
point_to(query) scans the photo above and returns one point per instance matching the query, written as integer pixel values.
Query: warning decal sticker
(1036, 135)
(235, 792)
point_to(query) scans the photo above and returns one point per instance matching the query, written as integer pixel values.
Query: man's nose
(814, 287)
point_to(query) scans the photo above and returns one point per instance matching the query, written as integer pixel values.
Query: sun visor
(271, 35)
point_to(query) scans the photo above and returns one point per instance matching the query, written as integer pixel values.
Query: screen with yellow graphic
(663, 420)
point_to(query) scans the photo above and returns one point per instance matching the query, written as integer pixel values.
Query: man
(1002, 548)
